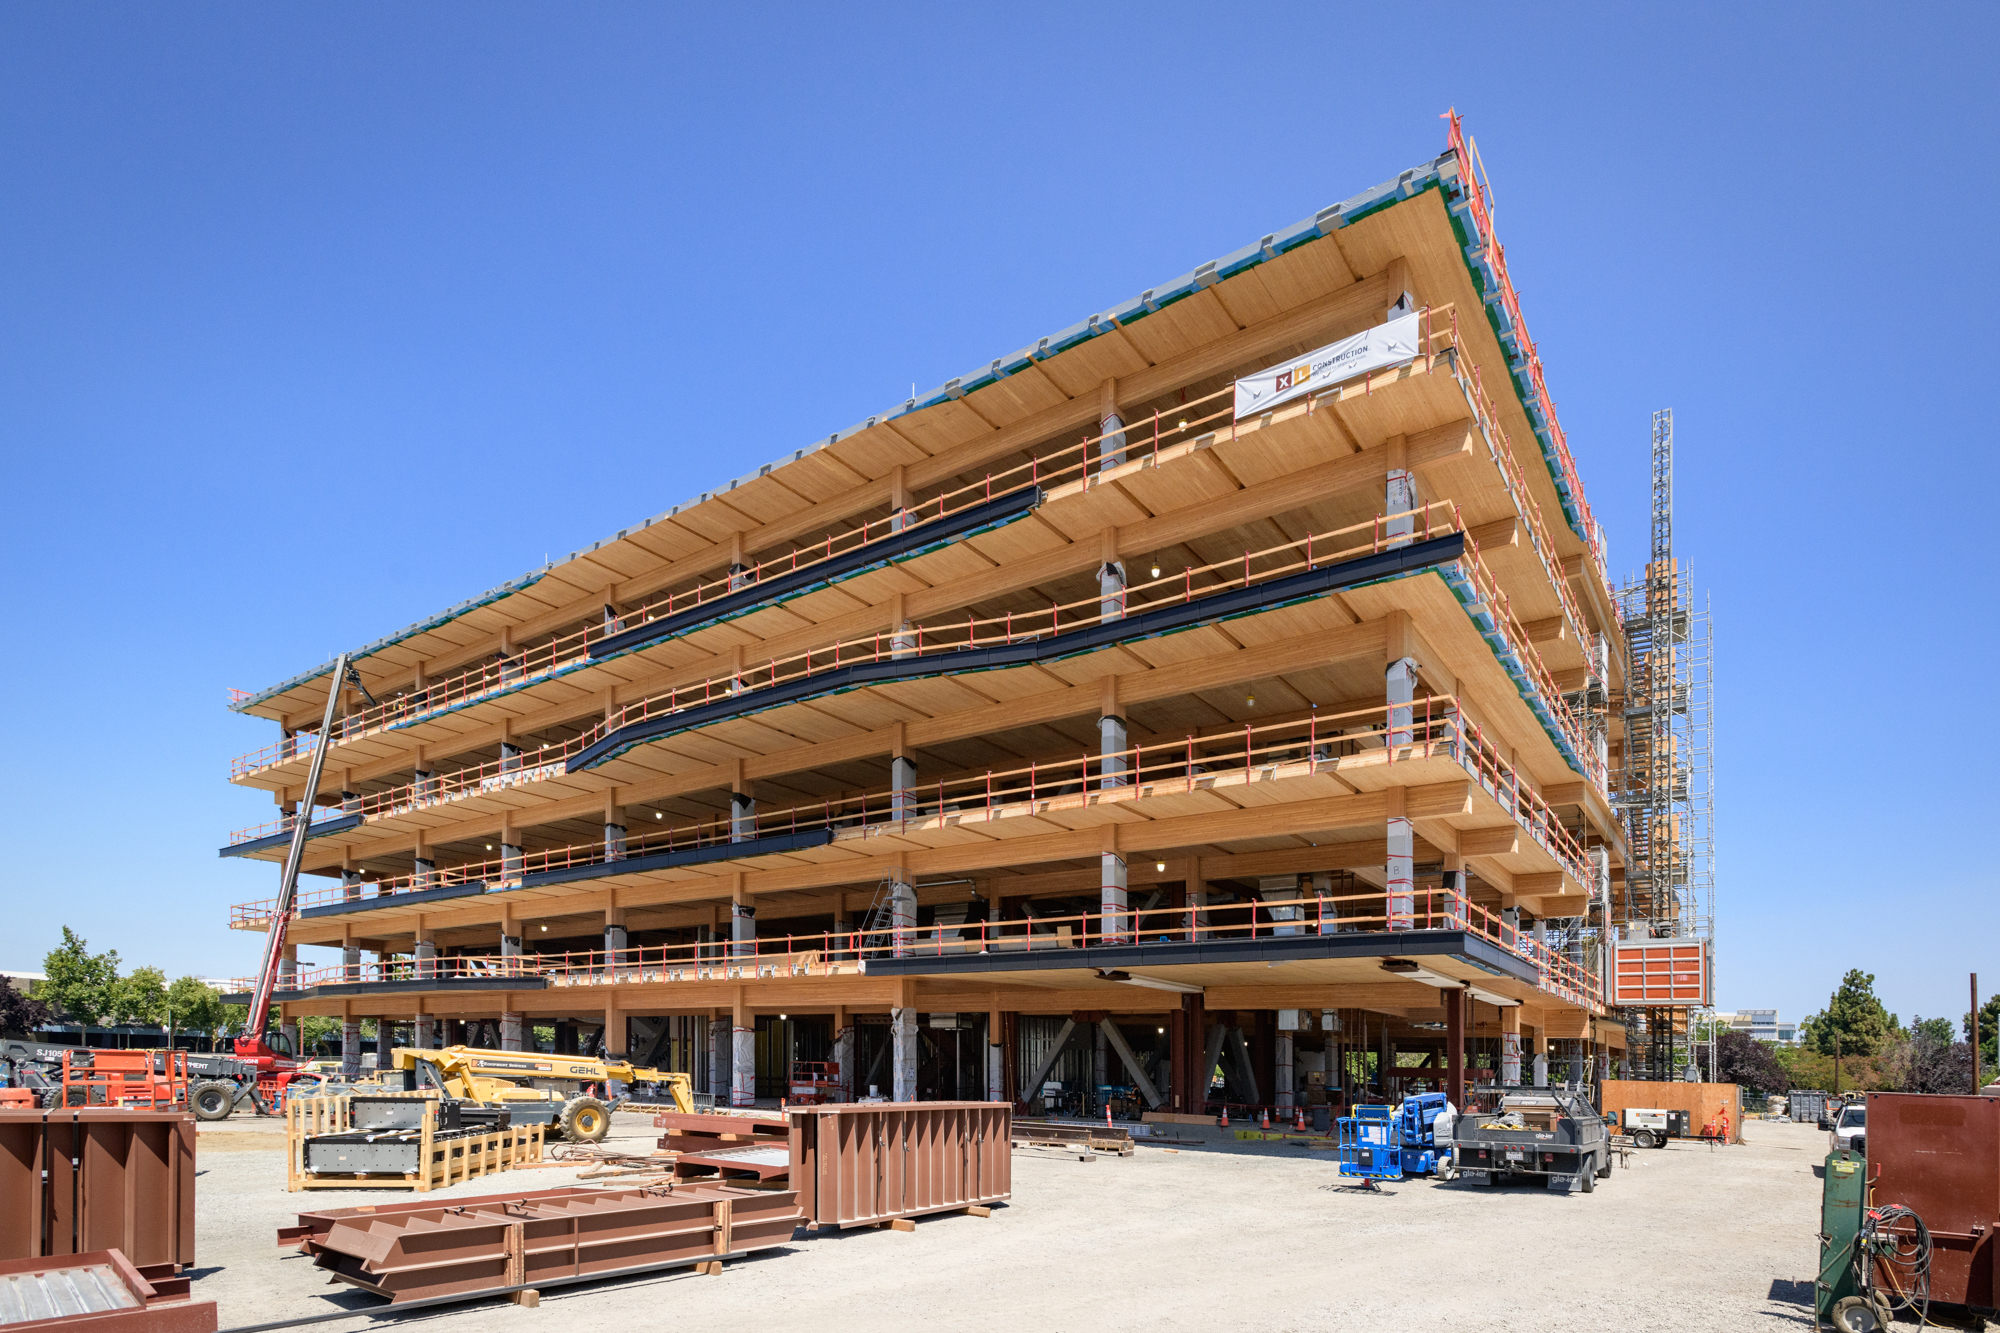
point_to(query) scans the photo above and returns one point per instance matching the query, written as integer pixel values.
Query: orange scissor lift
(137, 1080)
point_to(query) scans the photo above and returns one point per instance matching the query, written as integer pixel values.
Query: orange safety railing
(1253, 567)
(1478, 191)
(1430, 727)
(824, 952)
(1176, 433)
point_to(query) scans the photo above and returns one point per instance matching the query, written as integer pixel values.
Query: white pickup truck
(1850, 1131)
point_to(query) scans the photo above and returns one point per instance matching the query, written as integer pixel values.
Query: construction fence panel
(98, 1178)
(856, 1164)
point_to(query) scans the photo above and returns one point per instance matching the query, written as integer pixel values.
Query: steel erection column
(1455, 1002)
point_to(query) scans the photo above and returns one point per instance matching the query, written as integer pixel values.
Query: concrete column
(742, 816)
(423, 871)
(614, 842)
(350, 1048)
(902, 913)
(288, 973)
(426, 955)
(1113, 764)
(1400, 688)
(902, 787)
(1111, 585)
(996, 1059)
(843, 1056)
(513, 1032)
(423, 783)
(510, 757)
(743, 1061)
(423, 1032)
(614, 940)
(1279, 888)
(510, 862)
(1510, 1046)
(718, 1060)
(350, 960)
(1111, 426)
(1116, 924)
(903, 1052)
(1329, 911)
(1399, 496)
(742, 926)
(510, 947)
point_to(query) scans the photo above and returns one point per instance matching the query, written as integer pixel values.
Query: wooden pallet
(442, 1162)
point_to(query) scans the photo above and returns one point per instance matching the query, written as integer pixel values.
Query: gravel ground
(1687, 1238)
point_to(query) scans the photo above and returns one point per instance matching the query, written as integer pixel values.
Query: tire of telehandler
(213, 1100)
(585, 1120)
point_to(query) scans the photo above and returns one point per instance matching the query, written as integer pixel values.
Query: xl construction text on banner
(1383, 345)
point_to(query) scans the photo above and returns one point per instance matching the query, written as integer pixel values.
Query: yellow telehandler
(536, 1089)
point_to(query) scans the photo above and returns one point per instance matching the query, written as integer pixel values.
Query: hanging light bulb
(1156, 569)
(1249, 701)
(1160, 866)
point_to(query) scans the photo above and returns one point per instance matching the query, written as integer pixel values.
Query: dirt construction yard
(1267, 1238)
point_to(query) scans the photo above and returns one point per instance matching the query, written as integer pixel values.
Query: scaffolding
(1666, 786)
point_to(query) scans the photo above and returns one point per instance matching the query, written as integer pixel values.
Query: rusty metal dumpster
(1939, 1155)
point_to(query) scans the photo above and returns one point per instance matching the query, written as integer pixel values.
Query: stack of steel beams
(503, 1243)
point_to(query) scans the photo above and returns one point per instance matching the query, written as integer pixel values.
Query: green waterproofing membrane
(1441, 173)
(867, 559)
(487, 598)
(1213, 609)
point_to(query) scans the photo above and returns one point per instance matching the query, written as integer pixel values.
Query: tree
(1743, 1060)
(195, 1007)
(1853, 1019)
(18, 1012)
(1989, 1037)
(82, 984)
(1930, 1061)
(141, 997)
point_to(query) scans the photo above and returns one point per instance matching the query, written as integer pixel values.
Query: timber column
(1400, 902)
(1510, 1046)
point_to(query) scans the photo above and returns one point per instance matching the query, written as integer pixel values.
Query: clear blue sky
(317, 319)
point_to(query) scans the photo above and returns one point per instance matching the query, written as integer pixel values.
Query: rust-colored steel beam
(861, 1163)
(97, 1178)
(461, 1249)
(99, 1291)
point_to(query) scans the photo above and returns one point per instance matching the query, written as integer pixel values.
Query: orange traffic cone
(1107, 1116)
(1266, 1124)
(1302, 1120)
(1224, 1122)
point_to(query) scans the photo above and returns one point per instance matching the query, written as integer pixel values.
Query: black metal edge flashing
(415, 984)
(1229, 605)
(468, 890)
(318, 829)
(1467, 947)
(905, 545)
(717, 851)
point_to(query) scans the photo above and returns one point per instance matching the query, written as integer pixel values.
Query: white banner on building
(1384, 345)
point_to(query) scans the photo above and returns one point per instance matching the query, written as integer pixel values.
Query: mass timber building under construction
(1232, 678)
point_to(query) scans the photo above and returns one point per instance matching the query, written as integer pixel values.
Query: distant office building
(1762, 1025)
